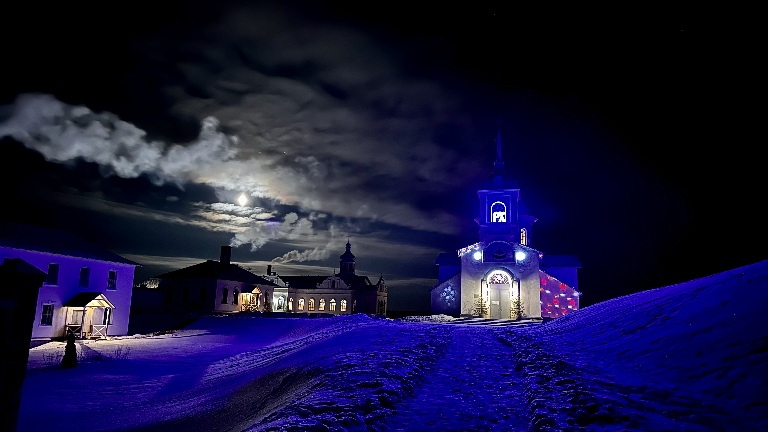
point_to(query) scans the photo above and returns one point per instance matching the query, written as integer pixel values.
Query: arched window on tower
(523, 236)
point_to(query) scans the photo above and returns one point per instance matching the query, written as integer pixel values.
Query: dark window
(107, 316)
(47, 317)
(235, 293)
(224, 293)
(85, 275)
(53, 274)
(112, 280)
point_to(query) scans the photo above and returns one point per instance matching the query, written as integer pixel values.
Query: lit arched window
(332, 305)
(343, 305)
(290, 304)
(311, 304)
(301, 304)
(523, 236)
(321, 306)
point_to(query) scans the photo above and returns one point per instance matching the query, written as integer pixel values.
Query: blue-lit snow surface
(691, 357)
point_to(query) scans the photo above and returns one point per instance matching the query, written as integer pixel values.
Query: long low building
(224, 287)
(344, 292)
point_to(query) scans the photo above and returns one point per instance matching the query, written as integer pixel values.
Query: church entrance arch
(500, 295)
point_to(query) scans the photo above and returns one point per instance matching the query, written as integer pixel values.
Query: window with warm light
(332, 305)
(343, 305)
(301, 304)
(321, 305)
(311, 304)
(523, 236)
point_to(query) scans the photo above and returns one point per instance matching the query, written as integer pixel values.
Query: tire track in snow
(361, 387)
(475, 395)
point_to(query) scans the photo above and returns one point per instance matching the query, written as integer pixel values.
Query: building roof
(311, 282)
(216, 270)
(89, 299)
(303, 281)
(347, 256)
(43, 239)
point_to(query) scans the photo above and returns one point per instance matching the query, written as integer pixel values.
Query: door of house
(499, 300)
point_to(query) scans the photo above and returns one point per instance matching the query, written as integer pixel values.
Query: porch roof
(89, 299)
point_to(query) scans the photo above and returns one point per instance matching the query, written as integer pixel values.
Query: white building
(88, 289)
(502, 276)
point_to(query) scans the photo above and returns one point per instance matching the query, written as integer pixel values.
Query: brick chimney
(226, 255)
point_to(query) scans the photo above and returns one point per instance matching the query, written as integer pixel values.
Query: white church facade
(502, 276)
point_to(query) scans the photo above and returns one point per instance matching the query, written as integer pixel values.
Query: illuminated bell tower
(499, 200)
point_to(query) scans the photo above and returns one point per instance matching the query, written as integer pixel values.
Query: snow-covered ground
(687, 357)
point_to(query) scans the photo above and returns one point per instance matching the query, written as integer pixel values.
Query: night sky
(631, 130)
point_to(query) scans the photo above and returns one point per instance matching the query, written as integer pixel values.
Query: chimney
(269, 270)
(226, 255)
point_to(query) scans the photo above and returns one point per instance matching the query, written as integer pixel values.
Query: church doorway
(500, 294)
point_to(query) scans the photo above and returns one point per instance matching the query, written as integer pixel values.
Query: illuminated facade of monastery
(502, 276)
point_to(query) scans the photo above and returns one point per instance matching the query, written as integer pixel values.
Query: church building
(502, 276)
(341, 293)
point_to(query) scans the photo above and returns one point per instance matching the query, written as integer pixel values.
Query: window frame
(85, 277)
(112, 281)
(49, 321)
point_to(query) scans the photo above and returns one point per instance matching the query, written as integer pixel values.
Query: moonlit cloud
(62, 133)
(325, 181)
(292, 227)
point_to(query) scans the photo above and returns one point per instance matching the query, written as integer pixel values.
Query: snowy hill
(690, 356)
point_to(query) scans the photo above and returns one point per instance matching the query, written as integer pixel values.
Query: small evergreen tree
(481, 307)
(516, 312)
